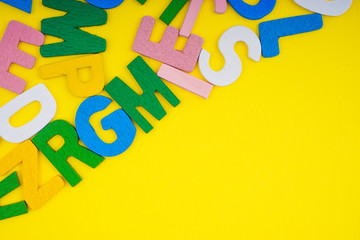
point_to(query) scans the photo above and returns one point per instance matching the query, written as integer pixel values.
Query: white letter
(48, 109)
(233, 67)
(325, 7)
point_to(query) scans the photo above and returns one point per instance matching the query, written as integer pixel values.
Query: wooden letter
(107, 4)
(326, 7)
(70, 148)
(172, 10)
(76, 41)
(48, 109)
(220, 6)
(17, 32)
(253, 12)
(70, 69)
(118, 121)
(34, 195)
(24, 5)
(271, 31)
(129, 100)
(142, 1)
(164, 50)
(233, 67)
(190, 17)
(176, 5)
(6, 186)
(185, 81)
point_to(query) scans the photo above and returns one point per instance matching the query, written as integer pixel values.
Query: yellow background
(274, 156)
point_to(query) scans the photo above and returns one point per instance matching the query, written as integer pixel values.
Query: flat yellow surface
(274, 156)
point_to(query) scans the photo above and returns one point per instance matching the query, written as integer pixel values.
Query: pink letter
(9, 53)
(185, 81)
(190, 17)
(164, 50)
(220, 6)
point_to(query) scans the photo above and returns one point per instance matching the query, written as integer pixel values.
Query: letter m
(130, 100)
(66, 27)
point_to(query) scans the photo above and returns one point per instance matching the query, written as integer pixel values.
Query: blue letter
(118, 121)
(24, 5)
(105, 4)
(271, 31)
(253, 12)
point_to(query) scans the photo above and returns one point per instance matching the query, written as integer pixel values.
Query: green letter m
(76, 41)
(149, 83)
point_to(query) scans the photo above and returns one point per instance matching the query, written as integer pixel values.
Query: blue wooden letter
(24, 5)
(271, 31)
(118, 121)
(105, 4)
(253, 12)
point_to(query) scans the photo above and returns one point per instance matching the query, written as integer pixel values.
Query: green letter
(6, 186)
(149, 83)
(70, 148)
(76, 41)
